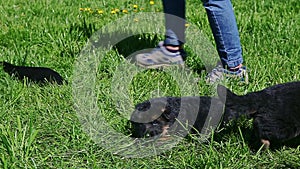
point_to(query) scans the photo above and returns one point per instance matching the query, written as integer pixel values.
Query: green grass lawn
(39, 125)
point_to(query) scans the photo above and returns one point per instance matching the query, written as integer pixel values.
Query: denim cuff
(171, 39)
(232, 64)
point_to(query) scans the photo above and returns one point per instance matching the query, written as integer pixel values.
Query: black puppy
(275, 111)
(176, 115)
(35, 74)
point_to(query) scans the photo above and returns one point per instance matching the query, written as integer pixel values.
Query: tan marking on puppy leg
(164, 135)
(165, 130)
(266, 143)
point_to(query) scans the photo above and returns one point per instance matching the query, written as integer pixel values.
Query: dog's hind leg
(266, 143)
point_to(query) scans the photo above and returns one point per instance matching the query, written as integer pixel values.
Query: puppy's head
(152, 118)
(157, 127)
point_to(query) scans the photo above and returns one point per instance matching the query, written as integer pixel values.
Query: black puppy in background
(40, 75)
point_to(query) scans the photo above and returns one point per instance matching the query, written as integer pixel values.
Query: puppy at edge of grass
(39, 75)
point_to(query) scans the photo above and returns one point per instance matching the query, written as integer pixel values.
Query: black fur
(158, 115)
(275, 111)
(35, 74)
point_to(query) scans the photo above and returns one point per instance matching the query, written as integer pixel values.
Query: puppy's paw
(266, 143)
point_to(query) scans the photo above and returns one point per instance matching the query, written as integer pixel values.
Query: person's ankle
(172, 49)
(233, 69)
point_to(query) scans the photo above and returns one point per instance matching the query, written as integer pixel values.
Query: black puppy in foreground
(36, 74)
(275, 112)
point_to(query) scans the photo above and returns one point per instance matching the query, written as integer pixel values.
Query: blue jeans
(222, 22)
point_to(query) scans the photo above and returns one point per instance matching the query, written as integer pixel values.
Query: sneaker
(159, 57)
(218, 74)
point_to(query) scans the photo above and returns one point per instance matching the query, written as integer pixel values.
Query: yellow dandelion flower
(88, 9)
(135, 6)
(125, 11)
(117, 10)
(113, 12)
(100, 11)
(151, 2)
(187, 25)
(81, 9)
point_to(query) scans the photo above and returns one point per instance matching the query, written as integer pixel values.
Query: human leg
(175, 21)
(224, 28)
(168, 52)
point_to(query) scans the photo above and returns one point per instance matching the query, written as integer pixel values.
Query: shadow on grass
(135, 43)
(82, 29)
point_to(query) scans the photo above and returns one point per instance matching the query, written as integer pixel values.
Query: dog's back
(279, 120)
(275, 111)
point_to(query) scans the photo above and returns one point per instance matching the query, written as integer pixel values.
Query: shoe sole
(158, 66)
(242, 77)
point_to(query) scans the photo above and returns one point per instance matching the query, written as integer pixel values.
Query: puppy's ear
(224, 93)
(169, 115)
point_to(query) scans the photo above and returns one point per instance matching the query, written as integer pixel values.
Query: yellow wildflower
(125, 11)
(135, 6)
(113, 12)
(187, 25)
(117, 10)
(151, 2)
(81, 9)
(100, 11)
